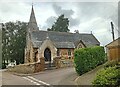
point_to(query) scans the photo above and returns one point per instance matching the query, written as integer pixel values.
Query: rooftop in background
(114, 43)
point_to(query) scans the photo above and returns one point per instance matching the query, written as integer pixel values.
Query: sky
(86, 16)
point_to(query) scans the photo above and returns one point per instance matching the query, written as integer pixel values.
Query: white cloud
(12, 11)
(99, 27)
(85, 17)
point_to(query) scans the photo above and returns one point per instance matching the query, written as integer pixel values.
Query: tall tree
(4, 46)
(60, 25)
(13, 41)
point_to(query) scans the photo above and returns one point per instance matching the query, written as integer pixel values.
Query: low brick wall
(60, 63)
(29, 67)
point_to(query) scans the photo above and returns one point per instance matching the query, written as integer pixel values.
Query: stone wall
(31, 54)
(40, 66)
(61, 62)
(23, 68)
(28, 68)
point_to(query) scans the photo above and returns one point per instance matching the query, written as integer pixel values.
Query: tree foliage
(13, 42)
(60, 25)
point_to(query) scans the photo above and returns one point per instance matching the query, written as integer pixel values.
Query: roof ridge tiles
(62, 32)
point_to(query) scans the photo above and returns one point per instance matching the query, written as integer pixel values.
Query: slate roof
(59, 39)
(63, 39)
(37, 44)
(64, 45)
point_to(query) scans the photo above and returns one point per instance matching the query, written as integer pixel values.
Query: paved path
(87, 78)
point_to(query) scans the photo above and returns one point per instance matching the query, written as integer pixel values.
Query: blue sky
(84, 16)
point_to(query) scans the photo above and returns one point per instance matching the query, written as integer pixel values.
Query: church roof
(63, 39)
(60, 39)
(64, 45)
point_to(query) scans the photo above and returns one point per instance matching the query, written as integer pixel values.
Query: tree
(60, 25)
(4, 46)
(13, 42)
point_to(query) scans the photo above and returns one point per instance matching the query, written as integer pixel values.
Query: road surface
(64, 76)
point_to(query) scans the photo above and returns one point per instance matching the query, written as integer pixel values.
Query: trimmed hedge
(87, 59)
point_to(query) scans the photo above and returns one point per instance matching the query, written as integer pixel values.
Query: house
(113, 50)
(51, 44)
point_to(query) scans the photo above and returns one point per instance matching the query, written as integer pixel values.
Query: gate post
(42, 61)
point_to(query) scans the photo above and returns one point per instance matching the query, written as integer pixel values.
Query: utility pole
(112, 26)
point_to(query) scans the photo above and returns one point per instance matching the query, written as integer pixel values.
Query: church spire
(32, 22)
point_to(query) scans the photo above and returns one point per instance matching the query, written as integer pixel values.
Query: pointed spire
(32, 22)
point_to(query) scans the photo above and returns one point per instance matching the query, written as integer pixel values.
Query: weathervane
(32, 3)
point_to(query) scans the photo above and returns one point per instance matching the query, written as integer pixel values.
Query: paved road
(10, 79)
(65, 76)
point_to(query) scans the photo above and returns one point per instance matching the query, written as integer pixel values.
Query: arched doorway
(47, 54)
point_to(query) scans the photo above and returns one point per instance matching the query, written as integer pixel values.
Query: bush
(107, 77)
(87, 59)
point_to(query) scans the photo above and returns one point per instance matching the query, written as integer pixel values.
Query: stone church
(51, 44)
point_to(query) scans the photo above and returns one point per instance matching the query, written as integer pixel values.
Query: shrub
(109, 76)
(87, 59)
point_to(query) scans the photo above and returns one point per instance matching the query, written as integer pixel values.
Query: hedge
(86, 59)
(108, 77)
